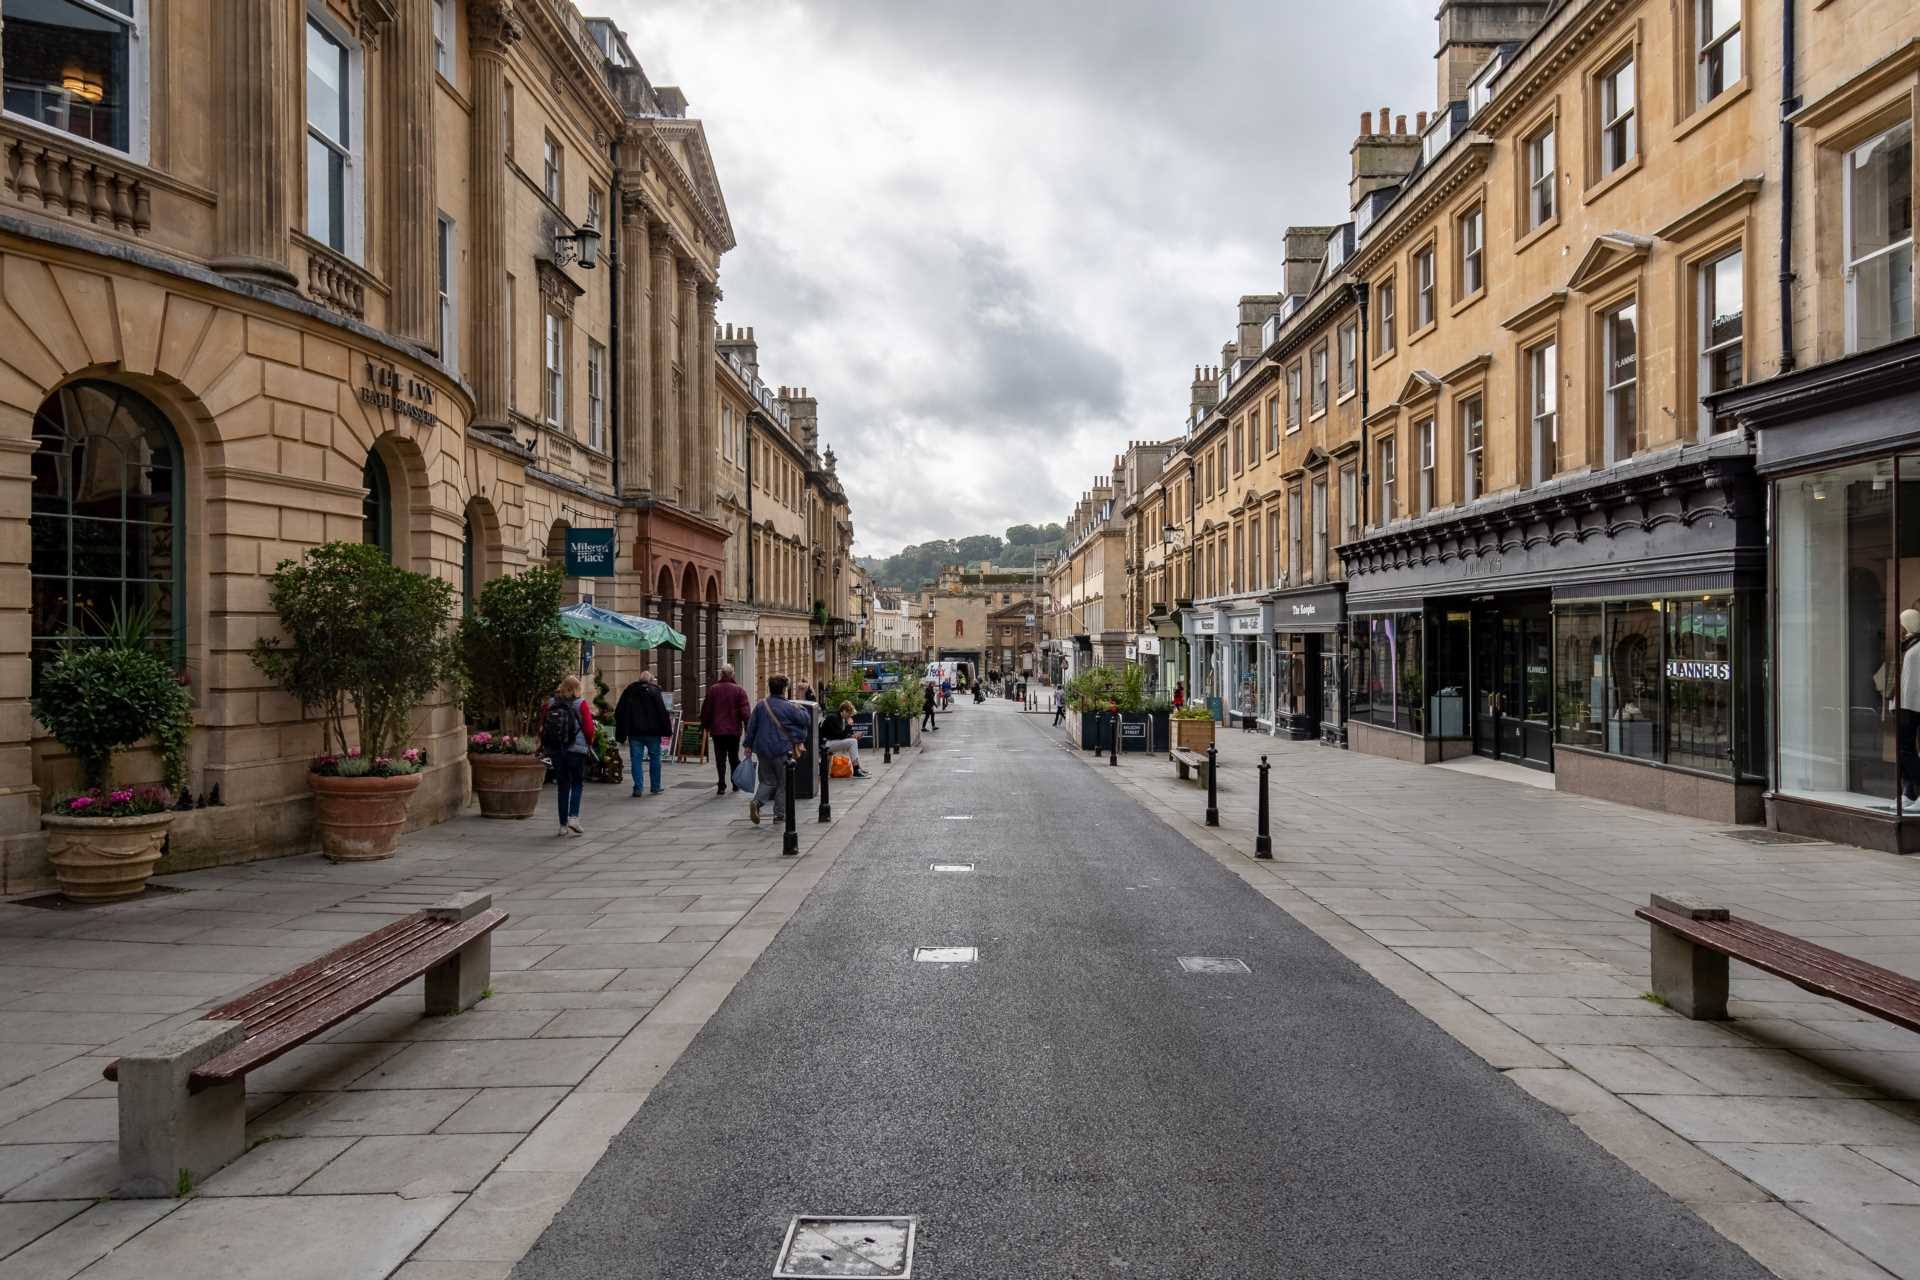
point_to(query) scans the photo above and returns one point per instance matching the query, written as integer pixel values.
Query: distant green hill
(918, 565)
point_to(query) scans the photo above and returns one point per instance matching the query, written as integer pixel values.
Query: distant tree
(1022, 535)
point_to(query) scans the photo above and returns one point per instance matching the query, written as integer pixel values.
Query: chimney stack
(1470, 31)
(1306, 249)
(738, 341)
(1254, 310)
(1381, 159)
(1205, 390)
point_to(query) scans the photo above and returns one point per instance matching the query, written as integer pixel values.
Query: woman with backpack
(567, 736)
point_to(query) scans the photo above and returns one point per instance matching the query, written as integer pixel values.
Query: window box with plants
(1193, 728)
(513, 652)
(365, 641)
(97, 698)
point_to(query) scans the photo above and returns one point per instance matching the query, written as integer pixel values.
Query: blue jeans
(569, 778)
(647, 749)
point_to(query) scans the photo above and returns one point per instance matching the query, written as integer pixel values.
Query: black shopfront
(1310, 663)
(1608, 628)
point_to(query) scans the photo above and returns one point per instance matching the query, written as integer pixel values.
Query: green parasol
(622, 630)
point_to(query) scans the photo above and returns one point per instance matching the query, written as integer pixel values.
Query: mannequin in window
(1907, 719)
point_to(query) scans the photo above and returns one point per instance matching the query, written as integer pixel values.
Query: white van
(958, 674)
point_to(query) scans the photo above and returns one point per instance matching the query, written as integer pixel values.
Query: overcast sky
(994, 237)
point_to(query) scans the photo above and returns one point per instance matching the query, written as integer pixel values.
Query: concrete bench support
(1190, 765)
(457, 983)
(1690, 978)
(169, 1135)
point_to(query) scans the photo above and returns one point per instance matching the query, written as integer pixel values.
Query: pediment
(1612, 254)
(1419, 385)
(687, 146)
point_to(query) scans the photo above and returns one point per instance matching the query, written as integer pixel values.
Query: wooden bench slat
(236, 1009)
(260, 1008)
(1865, 986)
(260, 1048)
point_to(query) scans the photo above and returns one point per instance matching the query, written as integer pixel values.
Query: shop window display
(1389, 688)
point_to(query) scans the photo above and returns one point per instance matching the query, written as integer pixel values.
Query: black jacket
(642, 713)
(926, 703)
(835, 729)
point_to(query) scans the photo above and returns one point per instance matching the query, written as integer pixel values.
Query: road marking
(956, 817)
(1213, 964)
(946, 955)
(951, 866)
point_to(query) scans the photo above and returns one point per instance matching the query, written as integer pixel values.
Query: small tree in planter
(513, 652)
(366, 635)
(99, 698)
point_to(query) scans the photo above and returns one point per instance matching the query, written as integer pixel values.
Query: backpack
(559, 727)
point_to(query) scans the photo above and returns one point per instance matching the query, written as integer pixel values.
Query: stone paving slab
(395, 1144)
(1794, 1129)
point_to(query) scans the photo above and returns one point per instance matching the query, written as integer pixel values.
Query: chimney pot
(1386, 120)
(1420, 123)
(1400, 124)
(1366, 123)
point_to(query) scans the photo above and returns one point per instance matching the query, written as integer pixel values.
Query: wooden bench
(183, 1095)
(1190, 765)
(1692, 941)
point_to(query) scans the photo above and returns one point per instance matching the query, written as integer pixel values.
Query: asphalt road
(1074, 1104)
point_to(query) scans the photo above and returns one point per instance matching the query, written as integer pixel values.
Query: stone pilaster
(492, 28)
(406, 55)
(688, 446)
(663, 295)
(636, 350)
(253, 48)
(707, 496)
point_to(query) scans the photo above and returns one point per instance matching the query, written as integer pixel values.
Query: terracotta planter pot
(360, 818)
(104, 859)
(508, 786)
(1192, 735)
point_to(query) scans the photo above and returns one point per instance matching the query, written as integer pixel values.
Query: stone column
(412, 224)
(708, 434)
(636, 350)
(688, 446)
(253, 156)
(492, 28)
(662, 300)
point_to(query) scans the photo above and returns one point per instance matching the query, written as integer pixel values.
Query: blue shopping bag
(745, 775)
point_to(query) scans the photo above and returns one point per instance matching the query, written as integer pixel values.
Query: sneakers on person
(753, 812)
(573, 825)
(861, 773)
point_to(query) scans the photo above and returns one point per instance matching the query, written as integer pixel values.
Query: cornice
(1467, 368)
(1408, 214)
(653, 134)
(574, 70)
(1536, 311)
(1539, 69)
(1848, 96)
(1711, 210)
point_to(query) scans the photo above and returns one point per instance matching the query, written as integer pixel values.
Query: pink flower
(80, 802)
(122, 796)
(354, 754)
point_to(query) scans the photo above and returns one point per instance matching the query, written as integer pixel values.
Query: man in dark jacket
(777, 732)
(724, 713)
(927, 722)
(641, 721)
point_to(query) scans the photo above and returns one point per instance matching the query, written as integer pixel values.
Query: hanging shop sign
(1688, 669)
(384, 387)
(590, 553)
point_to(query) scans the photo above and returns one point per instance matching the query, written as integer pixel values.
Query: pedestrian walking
(927, 722)
(946, 695)
(641, 720)
(567, 735)
(1179, 695)
(724, 714)
(837, 738)
(1059, 708)
(776, 733)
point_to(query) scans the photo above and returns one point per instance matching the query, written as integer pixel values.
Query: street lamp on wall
(583, 244)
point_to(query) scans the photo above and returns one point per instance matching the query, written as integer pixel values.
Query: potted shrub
(512, 653)
(362, 634)
(98, 699)
(1192, 728)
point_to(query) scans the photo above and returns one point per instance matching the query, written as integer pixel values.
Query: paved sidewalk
(1504, 913)
(447, 1141)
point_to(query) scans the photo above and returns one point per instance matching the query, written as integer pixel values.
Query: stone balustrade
(333, 282)
(78, 183)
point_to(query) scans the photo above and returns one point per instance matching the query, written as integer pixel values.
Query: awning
(621, 630)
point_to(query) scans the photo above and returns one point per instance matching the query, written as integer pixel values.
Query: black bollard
(885, 725)
(790, 841)
(826, 771)
(1262, 842)
(1113, 756)
(1213, 786)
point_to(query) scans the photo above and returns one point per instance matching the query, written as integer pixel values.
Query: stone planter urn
(507, 784)
(104, 859)
(1192, 735)
(360, 818)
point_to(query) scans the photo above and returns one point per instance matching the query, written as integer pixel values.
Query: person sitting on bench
(836, 738)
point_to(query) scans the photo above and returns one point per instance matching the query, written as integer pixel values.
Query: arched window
(376, 509)
(108, 504)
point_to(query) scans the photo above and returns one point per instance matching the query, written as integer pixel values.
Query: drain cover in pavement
(822, 1246)
(1213, 964)
(1760, 835)
(946, 955)
(951, 866)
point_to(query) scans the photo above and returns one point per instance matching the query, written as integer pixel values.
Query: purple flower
(122, 796)
(80, 802)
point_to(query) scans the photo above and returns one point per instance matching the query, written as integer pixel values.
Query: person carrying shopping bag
(724, 714)
(776, 733)
(567, 736)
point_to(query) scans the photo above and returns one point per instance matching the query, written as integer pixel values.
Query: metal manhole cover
(829, 1246)
(1213, 964)
(946, 955)
(1760, 835)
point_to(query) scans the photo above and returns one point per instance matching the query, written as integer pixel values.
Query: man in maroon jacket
(724, 713)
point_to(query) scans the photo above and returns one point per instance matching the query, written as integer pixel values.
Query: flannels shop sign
(1681, 669)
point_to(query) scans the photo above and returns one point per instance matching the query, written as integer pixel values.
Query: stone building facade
(436, 274)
